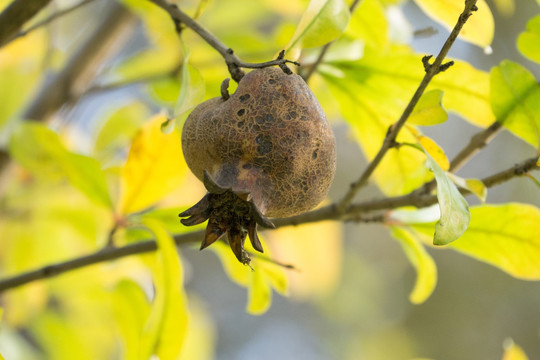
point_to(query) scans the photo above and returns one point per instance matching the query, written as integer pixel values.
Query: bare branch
(234, 63)
(359, 212)
(477, 143)
(431, 71)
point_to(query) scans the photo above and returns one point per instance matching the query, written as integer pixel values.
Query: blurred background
(352, 303)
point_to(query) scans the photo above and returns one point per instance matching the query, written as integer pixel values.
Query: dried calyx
(265, 151)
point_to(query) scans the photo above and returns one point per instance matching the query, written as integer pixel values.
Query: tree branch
(359, 212)
(234, 63)
(16, 14)
(80, 68)
(431, 71)
(477, 143)
(46, 21)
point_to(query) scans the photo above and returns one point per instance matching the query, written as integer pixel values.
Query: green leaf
(369, 23)
(40, 151)
(429, 110)
(515, 95)
(528, 42)
(455, 214)
(423, 263)
(116, 132)
(166, 327)
(480, 27)
(322, 22)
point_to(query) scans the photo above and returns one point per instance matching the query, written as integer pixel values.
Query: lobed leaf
(528, 42)
(515, 95)
(165, 329)
(322, 22)
(39, 149)
(154, 167)
(480, 27)
(425, 267)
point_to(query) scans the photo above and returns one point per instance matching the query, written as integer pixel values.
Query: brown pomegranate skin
(270, 139)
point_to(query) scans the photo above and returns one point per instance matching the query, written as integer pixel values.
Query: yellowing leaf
(368, 22)
(259, 279)
(480, 27)
(166, 327)
(435, 151)
(506, 236)
(316, 251)
(513, 351)
(425, 267)
(322, 22)
(373, 92)
(515, 95)
(528, 42)
(475, 186)
(455, 214)
(429, 110)
(155, 167)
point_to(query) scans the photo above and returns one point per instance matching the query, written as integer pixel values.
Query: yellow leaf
(436, 152)
(154, 168)
(505, 7)
(259, 278)
(513, 351)
(480, 27)
(425, 267)
(315, 250)
(201, 333)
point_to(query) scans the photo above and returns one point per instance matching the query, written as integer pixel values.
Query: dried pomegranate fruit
(265, 151)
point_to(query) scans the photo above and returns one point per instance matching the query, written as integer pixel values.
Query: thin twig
(234, 63)
(477, 142)
(357, 212)
(431, 71)
(48, 20)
